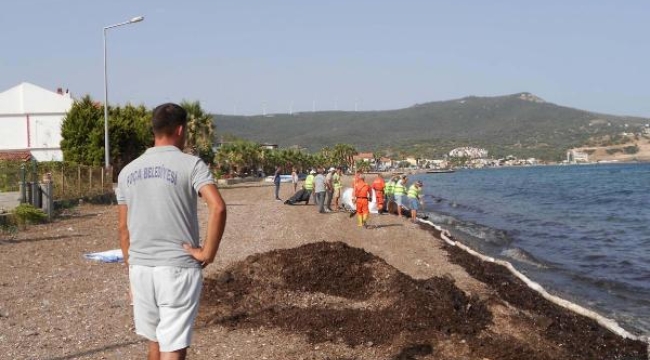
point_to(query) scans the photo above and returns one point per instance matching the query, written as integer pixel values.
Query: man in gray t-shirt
(319, 190)
(159, 233)
(160, 189)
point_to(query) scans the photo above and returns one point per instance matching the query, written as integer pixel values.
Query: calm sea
(583, 232)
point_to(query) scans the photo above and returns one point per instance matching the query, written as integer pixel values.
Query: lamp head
(136, 19)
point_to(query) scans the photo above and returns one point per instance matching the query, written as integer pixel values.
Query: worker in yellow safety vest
(415, 199)
(308, 185)
(336, 179)
(390, 185)
(399, 190)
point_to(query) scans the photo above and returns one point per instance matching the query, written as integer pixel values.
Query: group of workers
(326, 190)
(393, 191)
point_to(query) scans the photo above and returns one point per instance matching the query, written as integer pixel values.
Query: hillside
(519, 124)
(620, 152)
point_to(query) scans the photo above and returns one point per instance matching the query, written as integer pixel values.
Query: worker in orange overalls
(362, 197)
(378, 185)
(357, 173)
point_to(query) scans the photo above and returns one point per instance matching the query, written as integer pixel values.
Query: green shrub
(631, 149)
(614, 151)
(25, 214)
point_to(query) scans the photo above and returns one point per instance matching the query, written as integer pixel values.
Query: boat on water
(420, 171)
(440, 171)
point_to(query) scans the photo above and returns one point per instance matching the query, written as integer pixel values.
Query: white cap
(332, 169)
(312, 172)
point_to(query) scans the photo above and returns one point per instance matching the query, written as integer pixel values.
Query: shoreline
(543, 301)
(608, 323)
(57, 305)
(538, 243)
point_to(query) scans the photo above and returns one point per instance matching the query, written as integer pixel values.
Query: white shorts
(165, 303)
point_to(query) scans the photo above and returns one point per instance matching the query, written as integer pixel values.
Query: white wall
(11, 102)
(45, 131)
(47, 155)
(14, 132)
(43, 109)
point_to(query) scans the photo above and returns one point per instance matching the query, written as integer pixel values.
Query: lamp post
(107, 162)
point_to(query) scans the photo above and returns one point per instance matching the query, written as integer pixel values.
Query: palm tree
(250, 151)
(339, 154)
(363, 166)
(263, 157)
(344, 154)
(326, 153)
(228, 157)
(237, 156)
(297, 159)
(240, 155)
(200, 131)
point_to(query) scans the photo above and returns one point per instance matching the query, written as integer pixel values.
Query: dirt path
(9, 200)
(288, 283)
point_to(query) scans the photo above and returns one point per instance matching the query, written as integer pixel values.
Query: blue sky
(236, 56)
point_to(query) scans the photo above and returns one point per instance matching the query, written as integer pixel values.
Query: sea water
(581, 231)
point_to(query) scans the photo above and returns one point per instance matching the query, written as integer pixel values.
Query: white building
(470, 152)
(575, 156)
(30, 119)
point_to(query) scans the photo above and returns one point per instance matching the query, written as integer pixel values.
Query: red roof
(15, 155)
(363, 156)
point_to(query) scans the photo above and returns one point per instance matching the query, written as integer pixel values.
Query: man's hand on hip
(198, 254)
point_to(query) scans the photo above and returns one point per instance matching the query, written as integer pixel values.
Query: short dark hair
(167, 117)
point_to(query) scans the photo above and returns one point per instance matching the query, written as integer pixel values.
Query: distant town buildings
(412, 161)
(469, 152)
(367, 157)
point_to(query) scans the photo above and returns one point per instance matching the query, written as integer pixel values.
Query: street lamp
(106, 144)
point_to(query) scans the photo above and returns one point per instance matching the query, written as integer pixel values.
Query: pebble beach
(289, 283)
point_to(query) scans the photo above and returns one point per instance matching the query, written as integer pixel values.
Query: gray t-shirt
(160, 189)
(319, 183)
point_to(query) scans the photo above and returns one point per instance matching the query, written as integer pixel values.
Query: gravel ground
(54, 304)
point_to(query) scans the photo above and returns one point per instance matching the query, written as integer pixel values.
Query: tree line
(242, 157)
(130, 134)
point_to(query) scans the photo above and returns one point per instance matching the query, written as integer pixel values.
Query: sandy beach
(289, 283)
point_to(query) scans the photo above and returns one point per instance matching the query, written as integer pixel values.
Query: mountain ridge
(522, 124)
